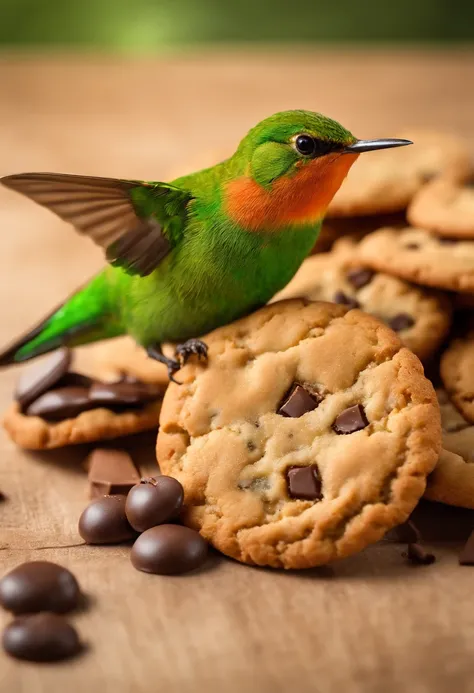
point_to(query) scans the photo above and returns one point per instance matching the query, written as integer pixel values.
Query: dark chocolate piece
(298, 402)
(110, 472)
(466, 557)
(304, 483)
(169, 550)
(104, 522)
(417, 554)
(401, 321)
(360, 276)
(351, 420)
(344, 299)
(41, 638)
(65, 403)
(123, 394)
(37, 380)
(154, 501)
(73, 379)
(39, 586)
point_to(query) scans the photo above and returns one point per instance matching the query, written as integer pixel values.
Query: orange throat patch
(298, 199)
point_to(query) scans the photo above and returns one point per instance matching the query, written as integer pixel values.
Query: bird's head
(288, 168)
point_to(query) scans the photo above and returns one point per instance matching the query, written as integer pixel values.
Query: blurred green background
(150, 25)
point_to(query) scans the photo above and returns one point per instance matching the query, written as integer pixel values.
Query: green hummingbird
(188, 256)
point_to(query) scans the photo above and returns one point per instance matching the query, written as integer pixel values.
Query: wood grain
(368, 623)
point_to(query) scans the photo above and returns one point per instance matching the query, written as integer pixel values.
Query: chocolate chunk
(41, 638)
(169, 550)
(344, 299)
(351, 420)
(104, 522)
(304, 482)
(110, 472)
(39, 586)
(360, 277)
(298, 402)
(37, 380)
(154, 501)
(65, 403)
(401, 321)
(466, 557)
(123, 394)
(417, 554)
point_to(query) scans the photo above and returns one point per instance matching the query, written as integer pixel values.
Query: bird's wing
(129, 219)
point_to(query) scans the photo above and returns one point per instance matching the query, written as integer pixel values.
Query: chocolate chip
(360, 277)
(298, 402)
(466, 557)
(351, 420)
(104, 522)
(168, 550)
(73, 379)
(39, 586)
(123, 394)
(111, 472)
(37, 380)
(41, 638)
(401, 321)
(417, 554)
(65, 403)
(411, 246)
(154, 501)
(344, 299)
(304, 482)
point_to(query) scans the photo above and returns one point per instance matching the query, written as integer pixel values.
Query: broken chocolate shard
(401, 321)
(417, 554)
(123, 394)
(304, 483)
(37, 380)
(298, 402)
(466, 557)
(111, 472)
(343, 299)
(360, 277)
(64, 403)
(351, 420)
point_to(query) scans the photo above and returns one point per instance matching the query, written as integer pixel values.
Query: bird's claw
(173, 366)
(191, 346)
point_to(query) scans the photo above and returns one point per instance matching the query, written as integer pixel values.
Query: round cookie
(387, 180)
(445, 206)
(306, 437)
(420, 317)
(421, 257)
(452, 480)
(457, 374)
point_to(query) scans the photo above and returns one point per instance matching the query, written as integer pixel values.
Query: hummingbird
(188, 256)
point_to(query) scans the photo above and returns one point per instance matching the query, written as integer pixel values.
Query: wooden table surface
(368, 623)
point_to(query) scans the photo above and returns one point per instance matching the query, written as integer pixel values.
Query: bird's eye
(305, 145)
(311, 147)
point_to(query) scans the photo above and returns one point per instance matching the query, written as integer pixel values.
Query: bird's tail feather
(83, 318)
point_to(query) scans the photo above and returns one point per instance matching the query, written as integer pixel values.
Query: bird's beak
(369, 145)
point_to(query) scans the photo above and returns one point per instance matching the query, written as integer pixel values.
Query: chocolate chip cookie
(308, 435)
(457, 373)
(387, 180)
(421, 257)
(452, 480)
(421, 317)
(445, 206)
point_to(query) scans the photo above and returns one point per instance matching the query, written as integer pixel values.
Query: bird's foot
(154, 352)
(191, 346)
